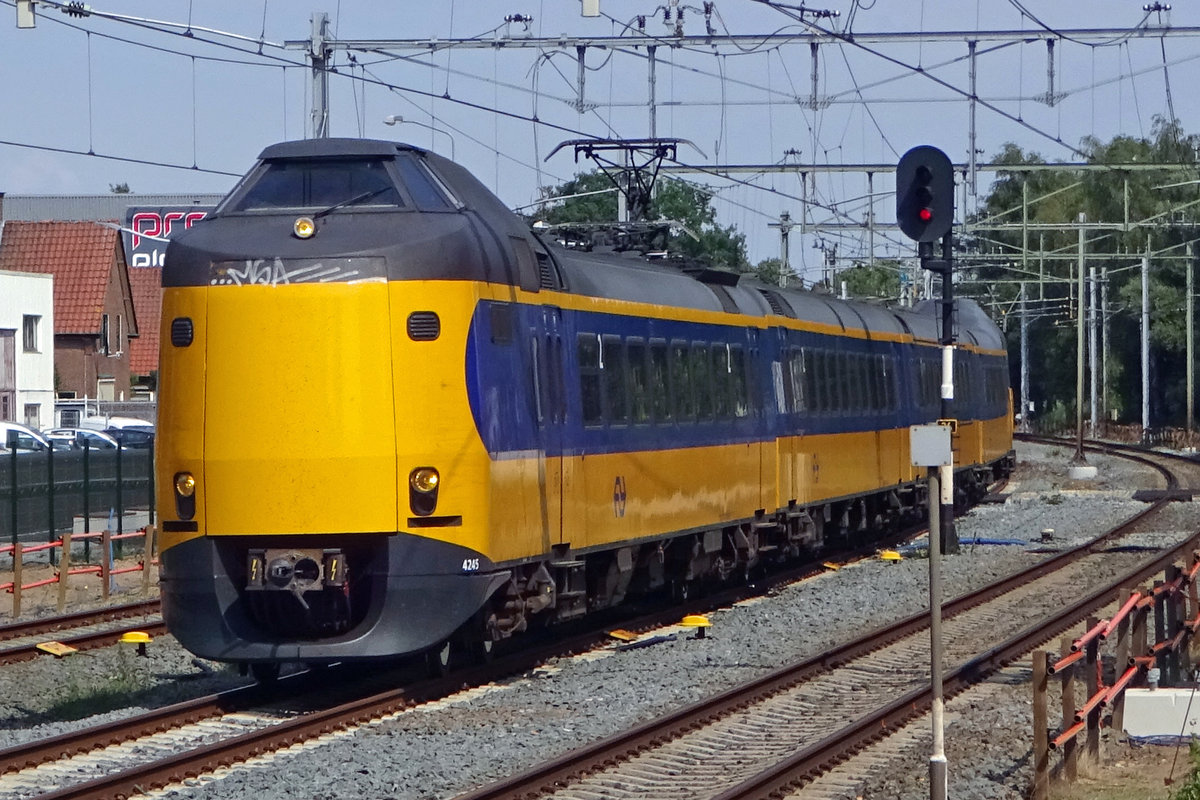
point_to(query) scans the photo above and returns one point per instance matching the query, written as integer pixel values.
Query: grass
(1190, 788)
(82, 696)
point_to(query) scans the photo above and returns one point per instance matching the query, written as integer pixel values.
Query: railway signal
(925, 194)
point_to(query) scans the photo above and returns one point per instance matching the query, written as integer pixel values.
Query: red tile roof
(79, 255)
(146, 283)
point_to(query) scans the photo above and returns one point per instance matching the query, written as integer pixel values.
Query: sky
(173, 96)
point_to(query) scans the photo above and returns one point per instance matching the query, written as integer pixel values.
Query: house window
(104, 348)
(120, 335)
(33, 415)
(30, 329)
(106, 389)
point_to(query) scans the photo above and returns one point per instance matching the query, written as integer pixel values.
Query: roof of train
(629, 276)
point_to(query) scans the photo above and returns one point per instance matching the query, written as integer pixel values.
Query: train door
(551, 410)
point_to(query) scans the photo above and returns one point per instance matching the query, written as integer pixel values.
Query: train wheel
(477, 639)
(438, 660)
(681, 591)
(265, 673)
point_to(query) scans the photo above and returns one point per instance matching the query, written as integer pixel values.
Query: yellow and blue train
(395, 420)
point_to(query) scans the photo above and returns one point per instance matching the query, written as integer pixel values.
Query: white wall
(24, 293)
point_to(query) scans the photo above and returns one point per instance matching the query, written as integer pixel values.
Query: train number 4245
(470, 565)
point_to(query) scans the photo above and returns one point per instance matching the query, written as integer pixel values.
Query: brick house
(95, 322)
(143, 350)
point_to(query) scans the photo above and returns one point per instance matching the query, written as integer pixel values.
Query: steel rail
(808, 762)
(78, 619)
(64, 745)
(544, 777)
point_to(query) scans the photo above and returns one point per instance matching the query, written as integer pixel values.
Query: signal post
(925, 213)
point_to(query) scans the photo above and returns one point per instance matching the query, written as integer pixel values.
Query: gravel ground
(446, 748)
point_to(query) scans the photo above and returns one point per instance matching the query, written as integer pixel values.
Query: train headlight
(185, 484)
(304, 227)
(424, 479)
(423, 483)
(185, 495)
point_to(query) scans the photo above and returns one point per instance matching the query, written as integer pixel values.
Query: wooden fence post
(1118, 714)
(1041, 736)
(1178, 615)
(1070, 750)
(105, 561)
(64, 571)
(147, 557)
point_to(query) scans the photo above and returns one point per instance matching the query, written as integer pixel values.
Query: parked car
(129, 431)
(75, 439)
(15, 436)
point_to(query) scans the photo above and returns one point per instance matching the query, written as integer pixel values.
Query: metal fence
(45, 494)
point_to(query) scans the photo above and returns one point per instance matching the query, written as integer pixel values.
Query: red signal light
(925, 214)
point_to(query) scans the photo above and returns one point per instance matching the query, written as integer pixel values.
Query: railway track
(81, 630)
(205, 733)
(771, 736)
(263, 730)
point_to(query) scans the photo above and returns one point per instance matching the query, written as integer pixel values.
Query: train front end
(311, 362)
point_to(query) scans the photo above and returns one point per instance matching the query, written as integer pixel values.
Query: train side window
(859, 377)
(737, 370)
(879, 370)
(427, 192)
(615, 371)
(720, 357)
(588, 351)
(788, 404)
(639, 390)
(660, 386)
(844, 384)
(819, 382)
(701, 369)
(890, 402)
(681, 382)
(799, 381)
(811, 390)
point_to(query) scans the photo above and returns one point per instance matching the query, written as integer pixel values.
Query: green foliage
(882, 280)
(600, 207)
(674, 200)
(1162, 198)
(1190, 789)
(79, 696)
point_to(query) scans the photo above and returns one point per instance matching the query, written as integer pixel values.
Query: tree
(587, 198)
(119, 188)
(881, 280)
(1161, 198)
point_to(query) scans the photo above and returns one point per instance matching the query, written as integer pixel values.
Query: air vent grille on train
(424, 326)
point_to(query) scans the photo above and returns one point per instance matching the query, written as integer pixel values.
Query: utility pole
(1146, 345)
(318, 55)
(1024, 362)
(1092, 354)
(1191, 356)
(785, 226)
(1079, 459)
(1104, 339)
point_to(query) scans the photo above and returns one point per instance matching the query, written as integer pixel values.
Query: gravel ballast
(442, 749)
